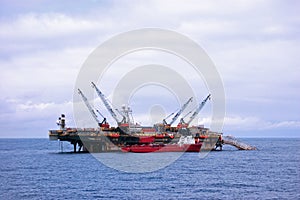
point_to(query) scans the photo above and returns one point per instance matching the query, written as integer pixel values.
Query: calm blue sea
(34, 169)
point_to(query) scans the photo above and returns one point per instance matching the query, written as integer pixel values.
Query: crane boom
(124, 118)
(89, 106)
(103, 121)
(198, 109)
(164, 120)
(180, 111)
(108, 107)
(100, 113)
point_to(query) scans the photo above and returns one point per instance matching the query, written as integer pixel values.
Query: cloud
(45, 76)
(46, 25)
(30, 110)
(215, 7)
(29, 119)
(238, 123)
(254, 44)
(283, 124)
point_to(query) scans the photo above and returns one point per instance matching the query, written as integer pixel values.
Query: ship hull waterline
(153, 148)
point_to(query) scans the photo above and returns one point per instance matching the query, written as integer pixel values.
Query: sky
(254, 45)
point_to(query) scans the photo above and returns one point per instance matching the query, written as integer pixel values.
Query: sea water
(36, 169)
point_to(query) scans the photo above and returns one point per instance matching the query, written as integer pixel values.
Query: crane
(100, 113)
(196, 111)
(164, 120)
(108, 107)
(124, 118)
(104, 122)
(179, 112)
(89, 107)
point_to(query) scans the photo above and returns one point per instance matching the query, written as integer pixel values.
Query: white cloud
(206, 7)
(283, 124)
(35, 110)
(46, 75)
(29, 119)
(237, 123)
(253, 43)
(47, 25)
(209, 27)
(29, 106)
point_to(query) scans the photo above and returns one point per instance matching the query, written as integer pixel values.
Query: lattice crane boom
(164, 120)
(105, 102)
(89, 106)
(180, 111)
(201, 105)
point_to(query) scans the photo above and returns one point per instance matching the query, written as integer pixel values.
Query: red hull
(162, 148)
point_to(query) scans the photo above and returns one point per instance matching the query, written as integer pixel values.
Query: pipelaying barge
(130, 137)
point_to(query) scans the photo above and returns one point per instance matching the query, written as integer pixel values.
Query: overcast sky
(254, 45)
